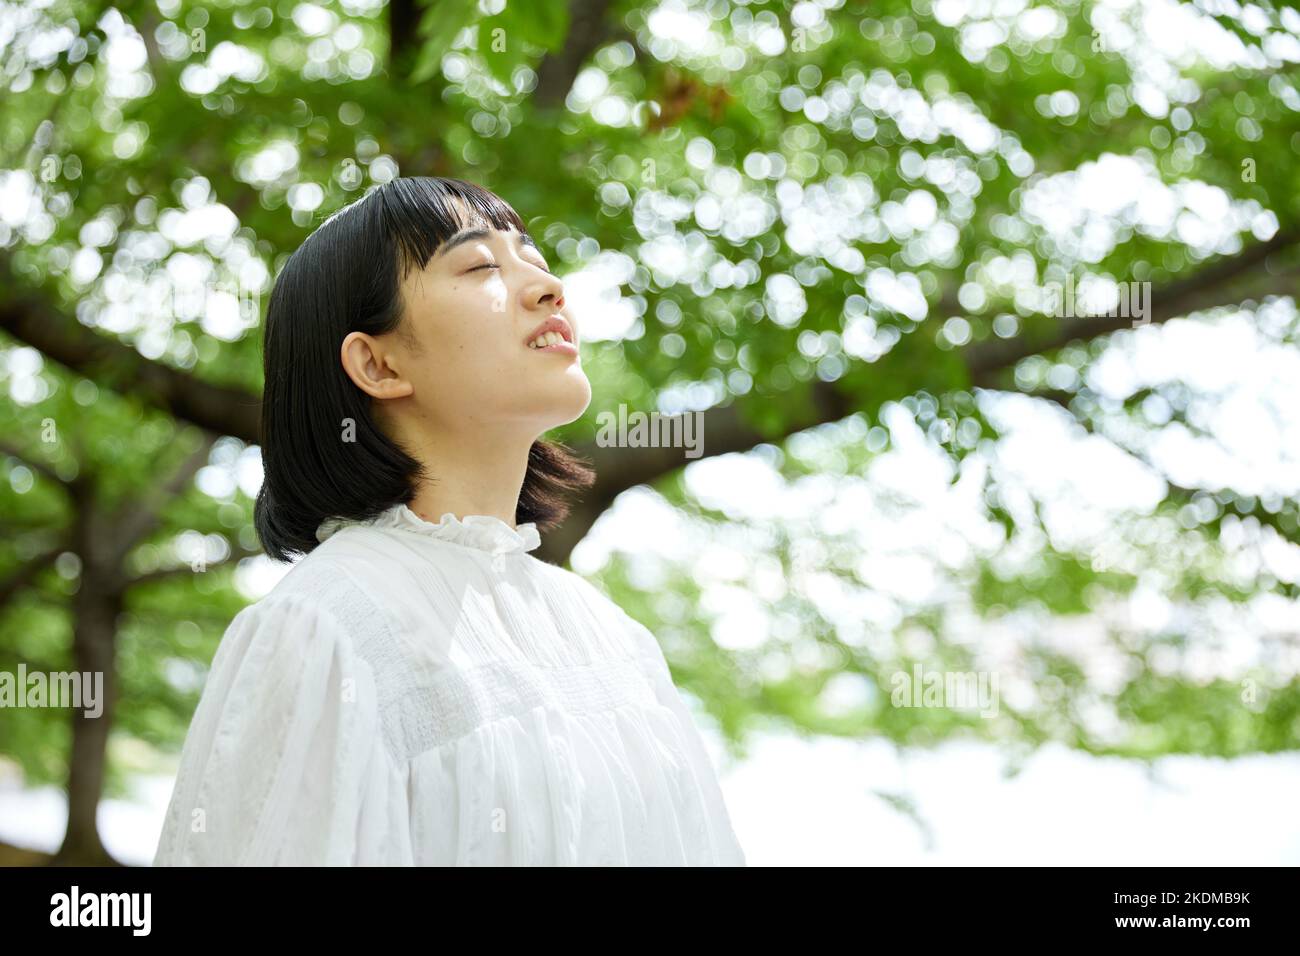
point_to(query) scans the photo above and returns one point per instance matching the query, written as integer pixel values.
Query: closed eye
(493, 265)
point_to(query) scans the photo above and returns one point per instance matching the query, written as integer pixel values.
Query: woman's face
(464, 345)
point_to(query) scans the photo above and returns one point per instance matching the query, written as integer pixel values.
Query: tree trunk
(96, 606)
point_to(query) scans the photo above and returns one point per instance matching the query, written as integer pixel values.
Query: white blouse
(413, 693)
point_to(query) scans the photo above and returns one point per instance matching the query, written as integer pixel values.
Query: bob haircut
(345, 278)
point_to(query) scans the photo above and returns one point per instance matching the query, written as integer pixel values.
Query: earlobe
(370, 370)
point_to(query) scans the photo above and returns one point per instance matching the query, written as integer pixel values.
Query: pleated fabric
(431, 694)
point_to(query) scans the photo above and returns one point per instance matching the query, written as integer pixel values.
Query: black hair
(345, 277)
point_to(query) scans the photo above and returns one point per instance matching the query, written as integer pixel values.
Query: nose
(548, 287)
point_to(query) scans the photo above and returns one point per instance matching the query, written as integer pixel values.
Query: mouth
(553, 335)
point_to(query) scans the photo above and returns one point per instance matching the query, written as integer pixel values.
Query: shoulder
(605, 610)
(319, 607)
(286, 625)
(570, 582)
(291, 651)
(327, 582)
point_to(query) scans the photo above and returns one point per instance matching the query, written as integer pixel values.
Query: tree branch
(233, 412)
(589, 28)
(28, 571)
(621, 468)
(38, 466)
(403, 36)
(1207, 288)
(722, 431)
(141, 517)
(33, 321)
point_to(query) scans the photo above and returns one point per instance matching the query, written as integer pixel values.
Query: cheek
(486, 334)
(472, 309)
(495, 295)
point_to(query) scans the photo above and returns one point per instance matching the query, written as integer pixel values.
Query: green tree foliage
(836, 225)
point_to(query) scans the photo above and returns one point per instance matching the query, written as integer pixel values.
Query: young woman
(419, 688)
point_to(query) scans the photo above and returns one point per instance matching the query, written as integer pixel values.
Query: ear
(370, 365)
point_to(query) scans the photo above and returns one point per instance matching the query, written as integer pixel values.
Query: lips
(555, 324)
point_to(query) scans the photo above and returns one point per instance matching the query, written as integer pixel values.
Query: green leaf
(441, 24)
(545, 24)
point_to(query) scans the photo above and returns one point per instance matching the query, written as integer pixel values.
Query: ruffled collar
(482, 532)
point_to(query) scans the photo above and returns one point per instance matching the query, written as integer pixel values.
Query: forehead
(468, 216)
(478, 229)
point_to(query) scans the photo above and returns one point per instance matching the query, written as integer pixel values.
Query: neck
(469, 473)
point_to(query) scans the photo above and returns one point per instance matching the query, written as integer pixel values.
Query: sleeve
(284, 755)
(726, 848)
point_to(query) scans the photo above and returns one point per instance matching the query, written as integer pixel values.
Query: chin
(566, 403)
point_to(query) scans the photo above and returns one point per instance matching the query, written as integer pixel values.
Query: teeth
(545, 339)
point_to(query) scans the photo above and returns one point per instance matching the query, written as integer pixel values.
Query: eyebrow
(469, 235)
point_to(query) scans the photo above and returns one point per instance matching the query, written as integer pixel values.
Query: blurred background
(987, 308)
